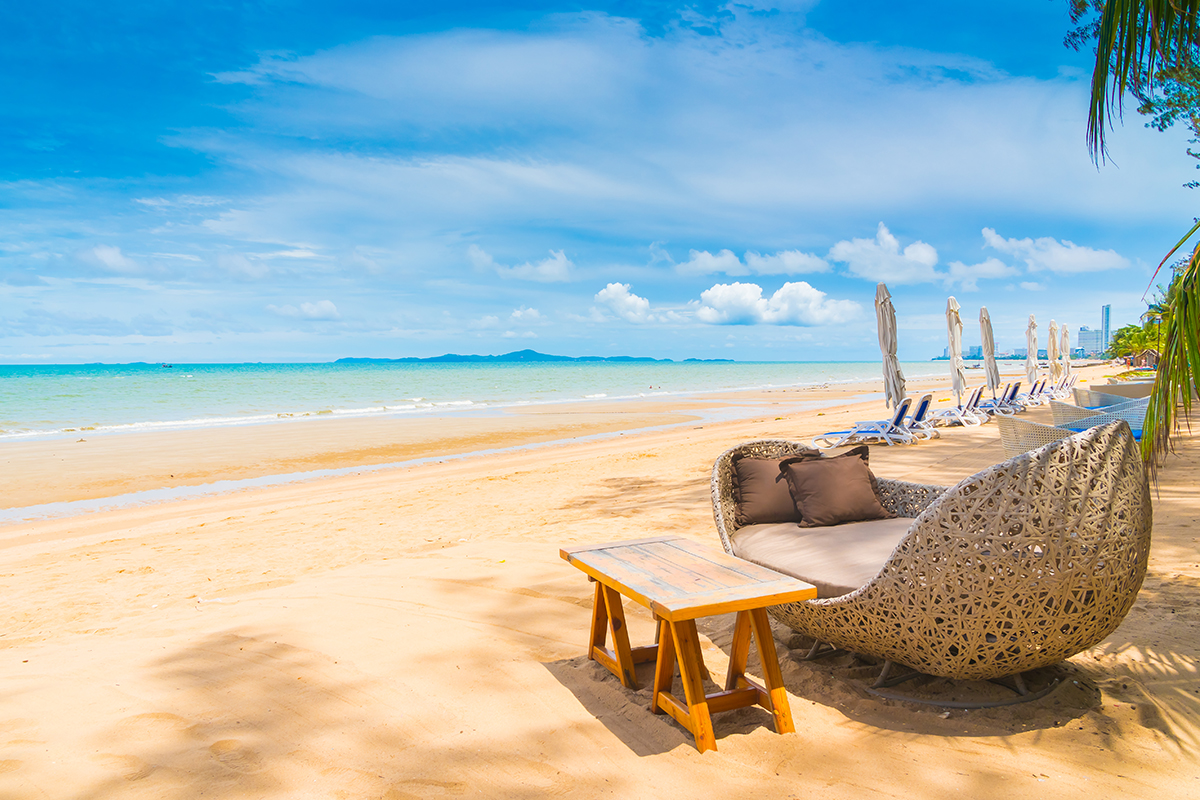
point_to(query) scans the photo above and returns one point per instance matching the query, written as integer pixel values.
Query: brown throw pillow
(862, 451)
(830, 491)
(762, 492)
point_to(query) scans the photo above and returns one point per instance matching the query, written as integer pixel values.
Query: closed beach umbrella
(954, 328)
(989, 351)
(1031, 352)
(1066, 350)
(885, 316)
(1052, 353)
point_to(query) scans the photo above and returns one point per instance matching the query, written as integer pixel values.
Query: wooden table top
(678, 579)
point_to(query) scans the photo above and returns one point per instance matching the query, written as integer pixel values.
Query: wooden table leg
(664, 667)
(608, 616)
(616, 622)
(776, 693)
(739, 652)
(691, 661)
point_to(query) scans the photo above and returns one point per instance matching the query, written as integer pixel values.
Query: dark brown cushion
(762, 492)
(830, 491)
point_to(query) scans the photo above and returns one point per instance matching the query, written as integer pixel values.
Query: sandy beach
(411, 632)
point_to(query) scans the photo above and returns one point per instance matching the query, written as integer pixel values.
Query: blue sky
(298, 181)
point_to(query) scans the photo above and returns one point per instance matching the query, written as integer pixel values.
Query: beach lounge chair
(887, 431)
(1034, 396)
(918, 423)
(1017, 567)
(1063, 390)
(1006, 404)
(967, 414)
(990, 405)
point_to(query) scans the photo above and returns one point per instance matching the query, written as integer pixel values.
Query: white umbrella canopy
(1066, 350)
(1031, 352)
(954, 328)
(991, 371)
(885, 316)
(1052, 353)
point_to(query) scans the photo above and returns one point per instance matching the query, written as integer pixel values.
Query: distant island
(519, 356)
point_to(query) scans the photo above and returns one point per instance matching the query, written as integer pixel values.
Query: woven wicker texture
(1132, 411)
(1019, 436)
(1020, 566)
(1093, 399)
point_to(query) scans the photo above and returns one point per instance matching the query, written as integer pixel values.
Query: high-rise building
(1090, 342)
(1105, 332)
(975, 351)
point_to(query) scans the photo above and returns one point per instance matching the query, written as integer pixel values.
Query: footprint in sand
(152, 727)
(420, 789)
(233, 755)
(10, 765)
(131, 768)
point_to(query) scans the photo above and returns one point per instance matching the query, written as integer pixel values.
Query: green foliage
(1178, 375)
(1133, 339)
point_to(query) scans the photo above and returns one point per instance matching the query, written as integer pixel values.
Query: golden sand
(412, 632)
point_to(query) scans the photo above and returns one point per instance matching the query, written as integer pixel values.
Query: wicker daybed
(1017, 567)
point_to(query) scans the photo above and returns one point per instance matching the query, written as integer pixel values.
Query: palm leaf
(1178, 373)
(1134, 38)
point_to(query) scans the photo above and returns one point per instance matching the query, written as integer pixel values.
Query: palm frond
(1178, 373)
(1134, 38)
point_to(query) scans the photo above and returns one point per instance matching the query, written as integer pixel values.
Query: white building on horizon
(1091, 342)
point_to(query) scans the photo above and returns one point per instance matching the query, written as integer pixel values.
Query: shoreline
(63, 477)
(421, 407)
(133, 468)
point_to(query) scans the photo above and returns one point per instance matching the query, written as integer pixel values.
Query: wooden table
(680, 581)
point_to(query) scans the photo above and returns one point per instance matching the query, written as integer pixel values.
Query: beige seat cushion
(836, 559)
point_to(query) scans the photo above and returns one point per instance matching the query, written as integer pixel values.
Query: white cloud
(702, 262)
(1031, 286)
(1050, 254)
(880, 259)
(794, 304)
(479, 258)
(489, 321)
(239, 266)
(113, 259)
(969, 275)
(299, 252)
(320, 310)
(785, 262)
(556, 268)
(626, 305)
(524, 313)
(521, 335)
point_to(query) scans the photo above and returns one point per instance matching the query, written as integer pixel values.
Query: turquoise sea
(52, 400)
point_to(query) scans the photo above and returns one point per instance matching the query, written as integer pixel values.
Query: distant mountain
(526, 356)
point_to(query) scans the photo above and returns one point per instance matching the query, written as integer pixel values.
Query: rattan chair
(1090, 398)
(1070, 416)
(1019, 436)
(1017, 567)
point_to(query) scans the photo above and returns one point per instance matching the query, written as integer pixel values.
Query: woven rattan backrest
(1060, 535)
(1019, 436)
